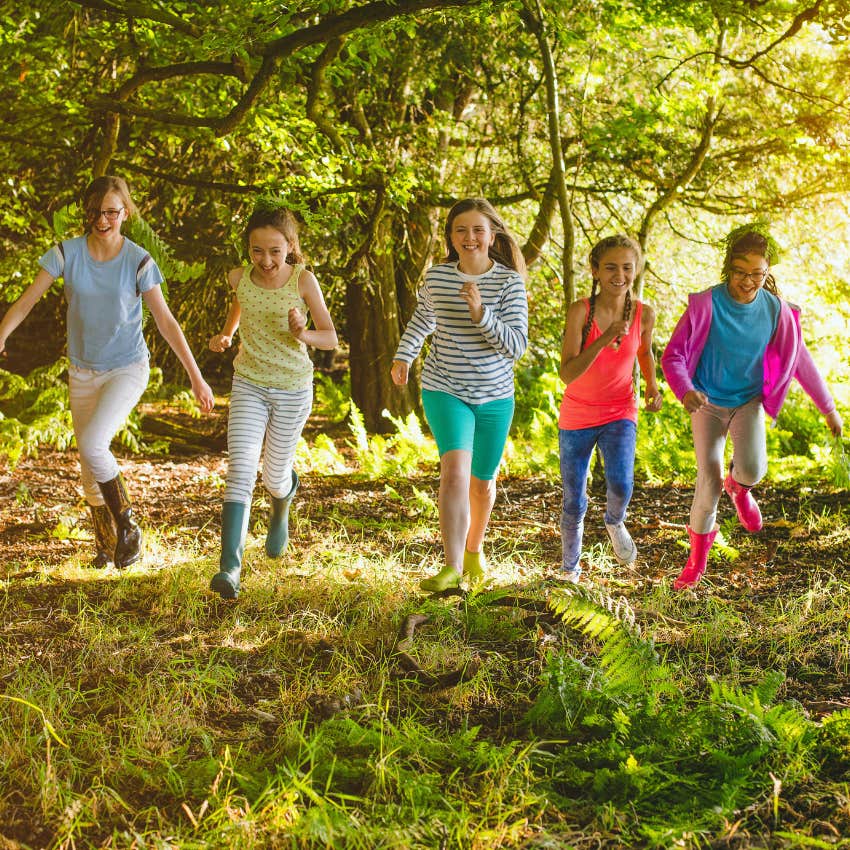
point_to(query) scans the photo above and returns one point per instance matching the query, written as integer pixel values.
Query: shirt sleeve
(53, 262)
(507, 331)
(674, 361)
(148, 274)
(422, 324)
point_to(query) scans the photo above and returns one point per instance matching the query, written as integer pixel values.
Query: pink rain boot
(746, 507)
(694, 569)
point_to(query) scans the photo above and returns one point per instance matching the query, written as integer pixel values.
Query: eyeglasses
(111, 215)
(755, 277)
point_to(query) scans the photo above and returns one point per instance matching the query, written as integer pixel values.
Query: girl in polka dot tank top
(273, 382)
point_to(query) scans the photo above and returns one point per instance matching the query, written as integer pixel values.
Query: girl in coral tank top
(604, 334)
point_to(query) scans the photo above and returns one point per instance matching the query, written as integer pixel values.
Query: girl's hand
(220, 342)
(615, 332)
(399, 372)
(653, 399)
(297, 323)
(694, 400)
(203, 395)
(834, 423)
(472, 295)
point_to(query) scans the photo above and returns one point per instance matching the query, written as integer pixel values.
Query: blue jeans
(616, 441)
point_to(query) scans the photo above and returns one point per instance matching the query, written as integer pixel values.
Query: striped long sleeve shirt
(473, 362)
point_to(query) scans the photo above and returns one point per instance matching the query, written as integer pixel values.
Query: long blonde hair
(504, 249)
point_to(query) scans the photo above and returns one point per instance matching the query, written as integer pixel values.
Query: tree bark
(536, 21)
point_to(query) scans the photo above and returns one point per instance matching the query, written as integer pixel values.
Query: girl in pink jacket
(731, 359)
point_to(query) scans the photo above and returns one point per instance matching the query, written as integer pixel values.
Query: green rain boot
(104, 536)
(234, 529)
(447, 577)
(278, 535)
(473, 567)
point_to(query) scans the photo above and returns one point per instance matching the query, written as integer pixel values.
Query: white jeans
(258, 413)
(710, 425)
(100, 402)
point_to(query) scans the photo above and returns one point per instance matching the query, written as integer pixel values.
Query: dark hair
(504, 249)
(618, 240)
(98, 189)
(268, 213)
(752, 238)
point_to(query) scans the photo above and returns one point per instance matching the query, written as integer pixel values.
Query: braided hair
(752, 238)
(618, 240)
(272, 212)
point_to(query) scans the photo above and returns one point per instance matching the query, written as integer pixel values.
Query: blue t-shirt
(104, 303)
(731, 369)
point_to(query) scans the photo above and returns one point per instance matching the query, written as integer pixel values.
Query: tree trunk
(374, 332)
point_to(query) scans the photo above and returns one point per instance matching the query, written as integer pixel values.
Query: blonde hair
(504, 249)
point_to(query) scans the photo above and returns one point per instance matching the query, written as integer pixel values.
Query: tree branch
(796, 25)
(536, 23)
(271, 52)
(314, 90)
(179, 69)
(132, 9)
(356, 18)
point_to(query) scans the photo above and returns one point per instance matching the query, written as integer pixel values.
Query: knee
(620, 488)
(482, 488)
(749, 474)
(94, 453)
(573, 506)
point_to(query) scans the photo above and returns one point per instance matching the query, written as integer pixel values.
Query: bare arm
(173, 335)
(652, 395)
(22, 307)
(324, 335)
(224, 339)
(574, 361)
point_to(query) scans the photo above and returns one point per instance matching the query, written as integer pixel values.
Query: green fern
(172, 269)
(629, 660)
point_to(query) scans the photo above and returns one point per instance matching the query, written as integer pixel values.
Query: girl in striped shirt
(272, 383)
(475, 309)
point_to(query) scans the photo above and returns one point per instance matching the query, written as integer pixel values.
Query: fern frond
(783, 724)
(172, 269)
(629, 660)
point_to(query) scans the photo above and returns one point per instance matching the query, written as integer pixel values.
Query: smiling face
(471, 237)
(106, 217)
(616, 271)
(268, 249)
(747, 275)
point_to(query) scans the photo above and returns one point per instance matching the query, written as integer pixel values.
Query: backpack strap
(143, 264)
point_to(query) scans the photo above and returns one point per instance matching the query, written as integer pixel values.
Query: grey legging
(710, 425)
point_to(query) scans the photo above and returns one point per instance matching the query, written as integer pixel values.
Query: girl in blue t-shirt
(730, 360)
(106, 278)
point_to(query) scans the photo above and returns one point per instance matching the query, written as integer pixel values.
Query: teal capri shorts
(478, 428)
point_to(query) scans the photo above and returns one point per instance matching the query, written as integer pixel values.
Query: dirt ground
(41, 504)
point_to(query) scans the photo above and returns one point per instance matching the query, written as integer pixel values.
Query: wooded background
(669, 119)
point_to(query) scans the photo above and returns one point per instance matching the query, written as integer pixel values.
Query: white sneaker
(624, 547)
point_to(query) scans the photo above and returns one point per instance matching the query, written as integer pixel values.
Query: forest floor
(311, 639)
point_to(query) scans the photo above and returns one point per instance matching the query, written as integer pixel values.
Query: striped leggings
(257, 413)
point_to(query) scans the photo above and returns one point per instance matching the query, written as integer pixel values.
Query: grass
(137, 711)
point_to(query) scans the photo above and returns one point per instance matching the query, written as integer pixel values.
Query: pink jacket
(785, 357)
